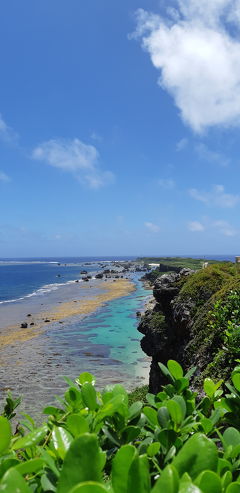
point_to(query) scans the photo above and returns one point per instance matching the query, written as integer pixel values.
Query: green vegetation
(206, 282)
(182, 262)
(213, 297)
(96, 442)
(138, 394)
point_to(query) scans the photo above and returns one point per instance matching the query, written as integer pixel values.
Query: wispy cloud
(76, 157)
(195, 226)
(216, 197)
(182, 144)
(196, 48)
(211, 156)
(220, 226)
(4, 177)
(154, 228)
(95, 136)
(167, 183)
(225, 228)
(7, 134)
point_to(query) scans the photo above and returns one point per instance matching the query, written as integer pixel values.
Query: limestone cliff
(178, 326)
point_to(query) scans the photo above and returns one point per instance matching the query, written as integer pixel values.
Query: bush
(95, 442)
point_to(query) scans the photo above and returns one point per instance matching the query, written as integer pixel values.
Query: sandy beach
(83, 304)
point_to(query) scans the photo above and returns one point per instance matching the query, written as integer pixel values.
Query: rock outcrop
(162, 326)
(178, 326)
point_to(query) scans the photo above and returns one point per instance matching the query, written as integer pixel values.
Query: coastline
(100, 338)
(62, 310)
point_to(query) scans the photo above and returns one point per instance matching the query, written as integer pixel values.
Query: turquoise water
(105, 343)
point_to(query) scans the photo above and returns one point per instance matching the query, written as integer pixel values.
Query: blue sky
(119, 128)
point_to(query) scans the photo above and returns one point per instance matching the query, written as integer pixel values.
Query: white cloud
(152, 227)
(225, 228)
(4, 177)
(195, 226)
(167, 183)
(197, 51)
(95, 136)
(76, 157)
(7, 134)
(216, 197)
(211, 156)
(219, 226)
(182, 144)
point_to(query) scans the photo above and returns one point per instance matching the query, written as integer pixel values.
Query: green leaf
(151, 399)
(163, 416)
(135, 410)
(199, 453)
(223, 466)
(83, 462)
(47, 484)
(5, 434)
(233, 488)
(54, 411)
(89, 396)
(231, 437)
(73, 397)
(77, 424)
(85, 377)
(165, 371)
(49, 461)
(206, 424)
(138, 477)
(167, 438)
(168, 481)
(175, 411)
(151, 415)
(30, 466)
(111, 435)
(209, 481)
(120, 468)
(90, 487)
(226, 479)
(153, 449)
(236, 381)
(143, 445)
(191, 372)
(181, 384)
(130, 433)
(180, 400)
(111, 407)
(175, 369)
(61, 440)
(209, 387)
(7, 464)
(13, 482)
(33, 438)
(187, 486)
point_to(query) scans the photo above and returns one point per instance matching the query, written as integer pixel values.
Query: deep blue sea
(32, 276)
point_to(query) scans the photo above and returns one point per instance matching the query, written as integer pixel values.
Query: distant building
(237, 260)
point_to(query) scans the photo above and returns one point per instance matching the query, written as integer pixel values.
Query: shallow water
(105, 343)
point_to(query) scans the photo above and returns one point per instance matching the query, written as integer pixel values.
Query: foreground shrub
(95, 442)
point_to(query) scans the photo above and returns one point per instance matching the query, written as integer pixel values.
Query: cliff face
(178, 325)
